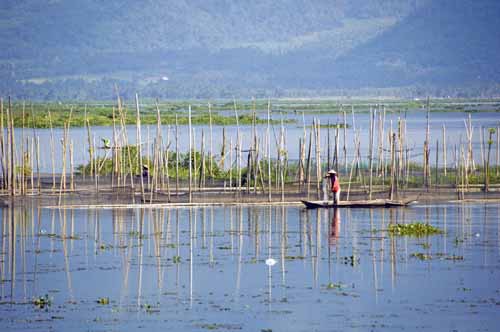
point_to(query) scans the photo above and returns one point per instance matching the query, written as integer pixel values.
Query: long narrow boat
(382, 203)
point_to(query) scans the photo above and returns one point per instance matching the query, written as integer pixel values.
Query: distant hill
(64, 49)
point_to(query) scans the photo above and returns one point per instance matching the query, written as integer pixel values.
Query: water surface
(204, 269)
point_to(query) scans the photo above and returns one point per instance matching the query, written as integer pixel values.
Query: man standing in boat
(335, 185)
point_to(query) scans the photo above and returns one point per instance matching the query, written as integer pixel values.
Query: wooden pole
(444, 151)
(3, 160)
(437, 163)
(12, 155)
(39, 186)
(176, 156)
(71, 166)
(498, 151)
(370, 153)
(139, 145)
(190, 157)
(344, 148)
(393, 166)
(319, 178)
(269, 149)
(487, 166)
(211, 157)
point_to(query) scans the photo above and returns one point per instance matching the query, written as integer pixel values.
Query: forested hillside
(63, 49)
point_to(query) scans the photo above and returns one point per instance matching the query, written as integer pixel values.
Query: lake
(416, 126)
(205, 269)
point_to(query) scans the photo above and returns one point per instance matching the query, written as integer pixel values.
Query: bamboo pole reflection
(240, 251)
(269, 256)
(139, 255)
(65, 253)
(374, 257)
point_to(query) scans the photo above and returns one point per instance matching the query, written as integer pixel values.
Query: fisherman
(335, 185)
(145, 171)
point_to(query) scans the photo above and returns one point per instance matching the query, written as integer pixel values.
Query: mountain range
(66, 49)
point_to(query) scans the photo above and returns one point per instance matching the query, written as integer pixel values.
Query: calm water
(204, 269)
(416, 126)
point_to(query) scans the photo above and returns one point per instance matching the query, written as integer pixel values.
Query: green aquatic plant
(414, 229)
(421, 256)
(42, 302)
(332, 285)
(176, 259)
(103, 300)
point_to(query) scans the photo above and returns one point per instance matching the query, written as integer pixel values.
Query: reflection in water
(149, 258)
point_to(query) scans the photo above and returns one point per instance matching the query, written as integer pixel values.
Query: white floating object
(164, 78)
(477, 235)
(270, 261)
(43, 231)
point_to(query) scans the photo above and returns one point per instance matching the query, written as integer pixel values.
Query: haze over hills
(62, 49)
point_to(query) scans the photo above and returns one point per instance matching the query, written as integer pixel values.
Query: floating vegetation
(294, 257)
(421, 256)
(42, 302)
(414, 229)
(176, 259)
(136, 234)
(350, 260)
(332, 285)
(104, 246)
(454, 258)
(103, 300)
(149, 308)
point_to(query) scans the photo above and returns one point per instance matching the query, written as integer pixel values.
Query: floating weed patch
(104, 246)
(454, 258)
(149, 308)
(42, 302)
(103, 300)
(176, 259)
(421, 256)
(414, 229)
(350, 260)
(332, 285)
(136, 234)
(294, 257)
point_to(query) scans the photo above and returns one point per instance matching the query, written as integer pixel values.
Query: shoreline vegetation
(36, 114)
(156, 170)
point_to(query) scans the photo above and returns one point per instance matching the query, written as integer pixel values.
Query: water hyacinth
(414, 229)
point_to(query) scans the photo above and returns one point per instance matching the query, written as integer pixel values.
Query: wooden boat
(375, 203)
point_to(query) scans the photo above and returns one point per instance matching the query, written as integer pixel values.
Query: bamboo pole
(139, 144)
(23, 164)
(444, 151)
(491, 131)
(427, 148)
(230, 163)
(12, 149)
(190, 157)
(437, 164)
(393, 166)
(328, 146)
(319, 178)
(3, 160)
(195, 161)
(498, 152)
(370, 153)
(269, 187)
(211, 157)
(71, 165)
(308, 167)
(344, 148)
(176, 156)
(114, 161)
